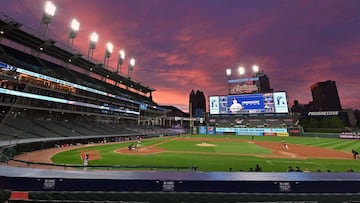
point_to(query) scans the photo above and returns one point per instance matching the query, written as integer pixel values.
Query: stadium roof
(14, 31)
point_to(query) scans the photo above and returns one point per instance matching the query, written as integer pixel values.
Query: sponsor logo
(238, 89)
(323, 113)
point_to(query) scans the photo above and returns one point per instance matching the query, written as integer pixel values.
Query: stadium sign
(323, 113)
(7, 67)
(243, 80)
(243, 85)
(253, 131)
(349, 135)
(245, 88)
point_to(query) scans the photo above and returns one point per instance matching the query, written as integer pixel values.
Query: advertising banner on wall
(253, 131)
(349, 135)
(295, 131)
(202, 130)
(210, 130)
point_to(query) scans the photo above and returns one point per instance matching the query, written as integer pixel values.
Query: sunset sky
(180, 45)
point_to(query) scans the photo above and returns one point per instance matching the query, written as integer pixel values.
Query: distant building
(173, 112)
(325, 96)
(325, 104)
(197, 103)
(264, 84)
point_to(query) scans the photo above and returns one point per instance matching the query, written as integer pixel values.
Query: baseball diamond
(239, 153)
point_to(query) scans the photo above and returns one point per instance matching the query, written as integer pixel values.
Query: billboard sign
(280, 102)
(243, 86)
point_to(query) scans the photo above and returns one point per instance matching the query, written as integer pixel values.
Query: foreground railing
(106, 167)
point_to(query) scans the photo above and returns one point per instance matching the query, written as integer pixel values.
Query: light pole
(120, 61)
(75, 26)
(228, 74)
(256, 74)
(108, 52)
(49, 12)
(93, 40)
(131, 66)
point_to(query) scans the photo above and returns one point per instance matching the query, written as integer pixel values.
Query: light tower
(49, 12)
(131, 66)
(241, 70)
(93, 40)
(256, 73)
(120, 61)
(228, 74)
(108, 52)
(75, 26)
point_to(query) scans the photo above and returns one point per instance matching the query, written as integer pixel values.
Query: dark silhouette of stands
(23, 126)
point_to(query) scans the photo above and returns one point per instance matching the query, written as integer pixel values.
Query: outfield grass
(175, 156)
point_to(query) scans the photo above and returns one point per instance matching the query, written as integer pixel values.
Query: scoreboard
(249, 103)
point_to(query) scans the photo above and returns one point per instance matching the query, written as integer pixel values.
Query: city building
(325, 96)
(197, 103)
(264, 84)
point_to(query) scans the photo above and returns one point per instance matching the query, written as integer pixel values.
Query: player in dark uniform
(355, 154)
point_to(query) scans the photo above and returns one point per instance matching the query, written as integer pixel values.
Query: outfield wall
(211, 130)
(292, 131)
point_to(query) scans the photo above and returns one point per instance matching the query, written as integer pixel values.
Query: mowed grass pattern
(220, 147)
(228, 159)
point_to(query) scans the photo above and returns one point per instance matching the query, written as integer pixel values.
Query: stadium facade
(44, 82)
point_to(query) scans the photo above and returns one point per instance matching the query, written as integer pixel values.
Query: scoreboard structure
(274, 103)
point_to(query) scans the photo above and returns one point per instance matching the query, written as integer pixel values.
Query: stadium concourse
(52, 95)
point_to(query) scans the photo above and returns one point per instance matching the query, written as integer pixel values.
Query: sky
(184, 45)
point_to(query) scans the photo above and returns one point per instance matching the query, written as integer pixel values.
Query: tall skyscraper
(264, 84)
(197, 102)
(325, 96)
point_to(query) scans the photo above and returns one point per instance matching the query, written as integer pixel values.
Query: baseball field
(223, 153)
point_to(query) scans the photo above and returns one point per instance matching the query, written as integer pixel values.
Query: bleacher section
(39, 74)
(24, 124)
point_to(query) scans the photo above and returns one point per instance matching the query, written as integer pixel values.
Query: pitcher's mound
(205, 145)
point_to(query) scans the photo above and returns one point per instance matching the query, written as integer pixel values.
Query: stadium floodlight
(120, 61)
(93, 40)
(75, 26)
(241, 70)
(94, 37)
(131, 66)
(255, 68)
(50, 8)
(108, 52)
(49, 12)
(109, 48)
(228, 72)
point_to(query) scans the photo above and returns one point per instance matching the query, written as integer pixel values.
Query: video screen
(249, 103)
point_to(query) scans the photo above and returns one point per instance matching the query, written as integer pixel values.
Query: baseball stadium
(73, 130)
